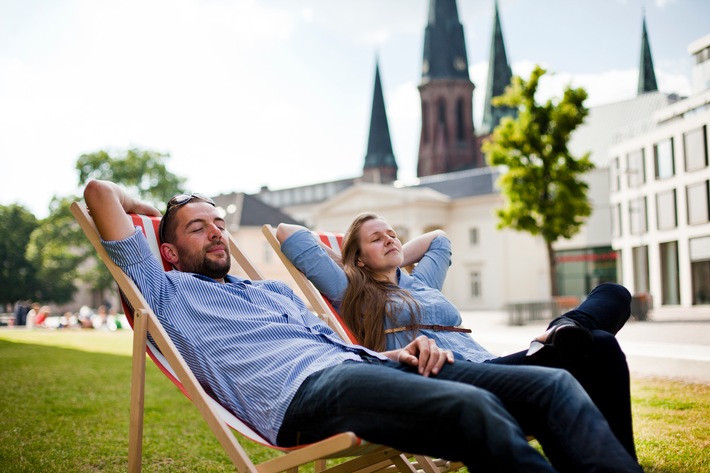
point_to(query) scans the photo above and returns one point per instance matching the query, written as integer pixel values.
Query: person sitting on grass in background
(263, 355)
(386, 308)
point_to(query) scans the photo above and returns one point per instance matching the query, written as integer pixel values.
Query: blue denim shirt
(424, 284)
(250, 344)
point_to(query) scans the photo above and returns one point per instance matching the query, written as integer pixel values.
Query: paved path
(671, 344)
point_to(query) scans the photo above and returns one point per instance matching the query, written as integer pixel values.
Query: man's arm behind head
(108, 204)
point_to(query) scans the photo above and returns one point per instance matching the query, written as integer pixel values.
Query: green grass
(65, 407)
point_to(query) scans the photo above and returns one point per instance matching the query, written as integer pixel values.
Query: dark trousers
(478, 413)
(603, 372)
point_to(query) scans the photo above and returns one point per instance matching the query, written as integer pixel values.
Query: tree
(542, 183)
(58, 250)
(17, 275)
(142, 172)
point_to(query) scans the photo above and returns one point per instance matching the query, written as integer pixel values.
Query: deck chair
(150, 337)
(325, 310)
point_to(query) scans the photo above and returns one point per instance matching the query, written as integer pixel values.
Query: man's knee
(613, 290)
(605, 346)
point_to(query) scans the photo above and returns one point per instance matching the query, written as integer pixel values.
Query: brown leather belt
(435, 328)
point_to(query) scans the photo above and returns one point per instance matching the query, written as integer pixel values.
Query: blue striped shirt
(250, 344)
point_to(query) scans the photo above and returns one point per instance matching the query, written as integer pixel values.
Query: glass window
(473, 236)
(666, 210)
(698, 203)
(268, 253)
(425, 118)
(475, 281)
(700, 269)
(663, 153)
(460, 120)
(635, 168)
(615, 175)
(670, 284)
(616, 220)
(696, 149)
(637, 216)
(640, 265)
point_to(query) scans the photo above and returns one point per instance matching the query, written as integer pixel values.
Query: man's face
(200, 241)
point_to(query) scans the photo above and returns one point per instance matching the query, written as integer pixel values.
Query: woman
(385, 308)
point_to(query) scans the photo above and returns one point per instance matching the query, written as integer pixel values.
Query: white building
(660, 198)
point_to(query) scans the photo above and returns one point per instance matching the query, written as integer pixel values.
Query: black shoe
(568, 340)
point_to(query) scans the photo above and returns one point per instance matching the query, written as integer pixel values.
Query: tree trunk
(553, 269)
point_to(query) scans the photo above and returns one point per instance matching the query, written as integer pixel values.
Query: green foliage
(67, 409)
(58, 250)
(541, 184)
(143, 173)
(17, 275)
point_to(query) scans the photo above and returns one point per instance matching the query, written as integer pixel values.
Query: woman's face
(380, 249)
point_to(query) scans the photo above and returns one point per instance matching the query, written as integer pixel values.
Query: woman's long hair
(368, 301)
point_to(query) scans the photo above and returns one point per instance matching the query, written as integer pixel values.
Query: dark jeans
(603, 372)
(478, 413)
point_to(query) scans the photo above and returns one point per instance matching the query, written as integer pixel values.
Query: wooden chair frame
(364, 457)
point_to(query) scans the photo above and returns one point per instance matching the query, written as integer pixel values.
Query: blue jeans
(477, 413)
(603, 372)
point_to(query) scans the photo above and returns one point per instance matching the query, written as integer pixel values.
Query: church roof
(444, 44)
(499, 76)
(466, 183)
(244, 210)
(647, 76)
(379, 144)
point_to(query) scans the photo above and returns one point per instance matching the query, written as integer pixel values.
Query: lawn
(66, 404)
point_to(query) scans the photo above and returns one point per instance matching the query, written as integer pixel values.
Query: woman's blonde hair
(367, 301)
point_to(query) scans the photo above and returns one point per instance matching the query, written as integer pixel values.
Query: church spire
(499, 76)
(444, 44)
(380, 165)
(647, 76)
(447, 141)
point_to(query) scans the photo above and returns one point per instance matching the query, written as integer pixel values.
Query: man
(256, 348)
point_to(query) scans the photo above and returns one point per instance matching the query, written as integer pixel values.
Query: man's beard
(199, 263)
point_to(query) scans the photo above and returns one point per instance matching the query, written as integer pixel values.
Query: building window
(640, 267)
(700, 269)
(696, 149)
(698, 203)
(402, 233)
(475, 283)
(663, 154)
(460, 120)
(425, 122)
(268, 253)
(670, 285)
(638, 221)
(635, 168)
(616, 220)
(441, 119)
(615, 175)
(473, 236)
(580, 271)
(666, 210)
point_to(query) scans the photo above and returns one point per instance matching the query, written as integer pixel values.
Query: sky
(244, 93)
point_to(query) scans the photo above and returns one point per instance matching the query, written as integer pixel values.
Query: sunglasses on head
(178, 201)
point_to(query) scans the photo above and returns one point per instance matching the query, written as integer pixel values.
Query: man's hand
(424, 354)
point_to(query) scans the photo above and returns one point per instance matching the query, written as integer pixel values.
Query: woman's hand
(423, 353)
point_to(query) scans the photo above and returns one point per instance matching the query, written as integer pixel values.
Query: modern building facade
(660, 198)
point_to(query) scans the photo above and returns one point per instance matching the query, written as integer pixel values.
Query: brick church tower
(447, 141)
